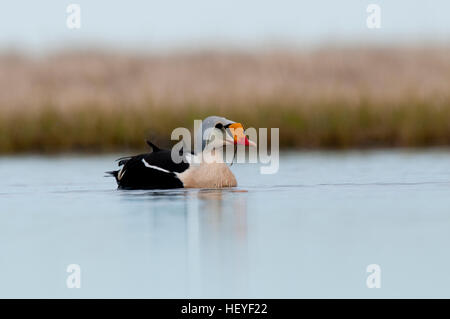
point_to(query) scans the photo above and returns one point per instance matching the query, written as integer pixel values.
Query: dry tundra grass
(330, 97)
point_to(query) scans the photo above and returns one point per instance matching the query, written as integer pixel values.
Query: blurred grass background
(330, 97)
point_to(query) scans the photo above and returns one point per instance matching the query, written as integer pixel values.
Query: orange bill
(237, 130)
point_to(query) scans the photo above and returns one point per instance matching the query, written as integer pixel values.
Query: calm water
(308, 231)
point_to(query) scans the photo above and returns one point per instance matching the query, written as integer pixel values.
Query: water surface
(308, 231)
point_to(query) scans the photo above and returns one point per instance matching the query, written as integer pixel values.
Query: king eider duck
(158, 170)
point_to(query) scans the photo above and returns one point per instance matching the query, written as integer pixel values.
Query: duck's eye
(219, 126)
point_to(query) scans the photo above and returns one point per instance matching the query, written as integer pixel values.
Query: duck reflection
(197, 239)
(217, 240)
(226, 212)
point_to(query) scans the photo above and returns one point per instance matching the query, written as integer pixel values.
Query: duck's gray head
(222, 131)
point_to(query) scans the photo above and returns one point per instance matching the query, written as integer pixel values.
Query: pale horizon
(156, 26)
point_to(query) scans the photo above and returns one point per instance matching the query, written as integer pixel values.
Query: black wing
(154, 170)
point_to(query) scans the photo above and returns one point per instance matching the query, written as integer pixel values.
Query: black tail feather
(123, 161)
(112, 173)
(153, 146)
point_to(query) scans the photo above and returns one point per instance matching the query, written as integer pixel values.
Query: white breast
(208, 175)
